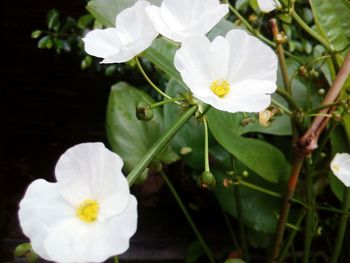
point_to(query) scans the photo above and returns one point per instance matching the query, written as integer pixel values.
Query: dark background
(48, 105)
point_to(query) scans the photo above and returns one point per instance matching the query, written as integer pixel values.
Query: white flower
(340, 166)
(235, 73)
(89, 215)
(268, 5)
(133, 34)
(178, 19)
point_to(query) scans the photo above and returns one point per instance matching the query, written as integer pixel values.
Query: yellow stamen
(88, 211)
(335, 168)
(220, 88)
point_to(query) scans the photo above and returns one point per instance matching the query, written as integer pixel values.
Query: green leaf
(259, 156)
(52, 19)
(332, 19)
(161, 53)
(45, 42)
(84, 21)
(189, 141)
(36, 34)
(259, 210)
(128, 136)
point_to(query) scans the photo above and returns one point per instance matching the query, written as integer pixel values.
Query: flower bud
(144, 111)
(303, 71)
(22, 250)
(321, 91)
(227, 183)
(245, 173)
(207, 180)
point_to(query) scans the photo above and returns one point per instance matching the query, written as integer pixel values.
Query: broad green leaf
(259, 210)
(161, 54)
(128, 136)
(280, 126)
(332, 19)
(259, 156)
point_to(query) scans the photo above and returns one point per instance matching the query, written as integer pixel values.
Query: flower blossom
(340, 167)
(88, 215)
(234, 74)
(267, 6)
(134, 33)
(178, 19)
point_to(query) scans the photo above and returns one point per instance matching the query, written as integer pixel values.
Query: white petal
(250, 58)
(201, 62)
(180, 19)
(102, 42)
(76, 241)
(245, 96)
(40, 209)
(268, 5)
(91, 171)
(340, 166)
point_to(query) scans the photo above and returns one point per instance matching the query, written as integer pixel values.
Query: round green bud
(321, 91)
(207, 180)
(22, 250)
(245, 173)
(144, 111)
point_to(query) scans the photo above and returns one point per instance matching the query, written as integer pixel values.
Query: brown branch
(304, 147)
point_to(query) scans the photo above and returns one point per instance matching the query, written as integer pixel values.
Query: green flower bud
(245, 173)
(22, 250)
(321, 91)
(144, 111)
(207, 180)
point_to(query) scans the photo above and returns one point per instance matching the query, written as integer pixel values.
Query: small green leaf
(36, 34)
(45, 42)
(52, 19)
(84, 21)
(86, 62)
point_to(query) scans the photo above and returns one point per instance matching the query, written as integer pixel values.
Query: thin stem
(321, 108)
(290, 238)
(342, 226)
(154, 86)
(239, 211)
(230, 229)
(282, 220)
(157, 104)
(282, 107)
(311, 32)
(287, 98)
(309, 226)
(115, 259)
(159, 145)
(206, 146)
(188, 218)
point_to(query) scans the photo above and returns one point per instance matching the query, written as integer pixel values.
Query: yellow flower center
(88, 211)
(220, 87)
(335, 168)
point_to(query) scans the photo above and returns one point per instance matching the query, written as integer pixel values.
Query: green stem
(311, 32)
(159, 145)
(290, 238)
(206, 146)
(342, 226)
(188, 218)
(287, 98)
(315, 110)
(230, 229)
(282, 107)
(115, 259)
(309, 226)
(154, 86)
(242, 234)
(157, 104)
